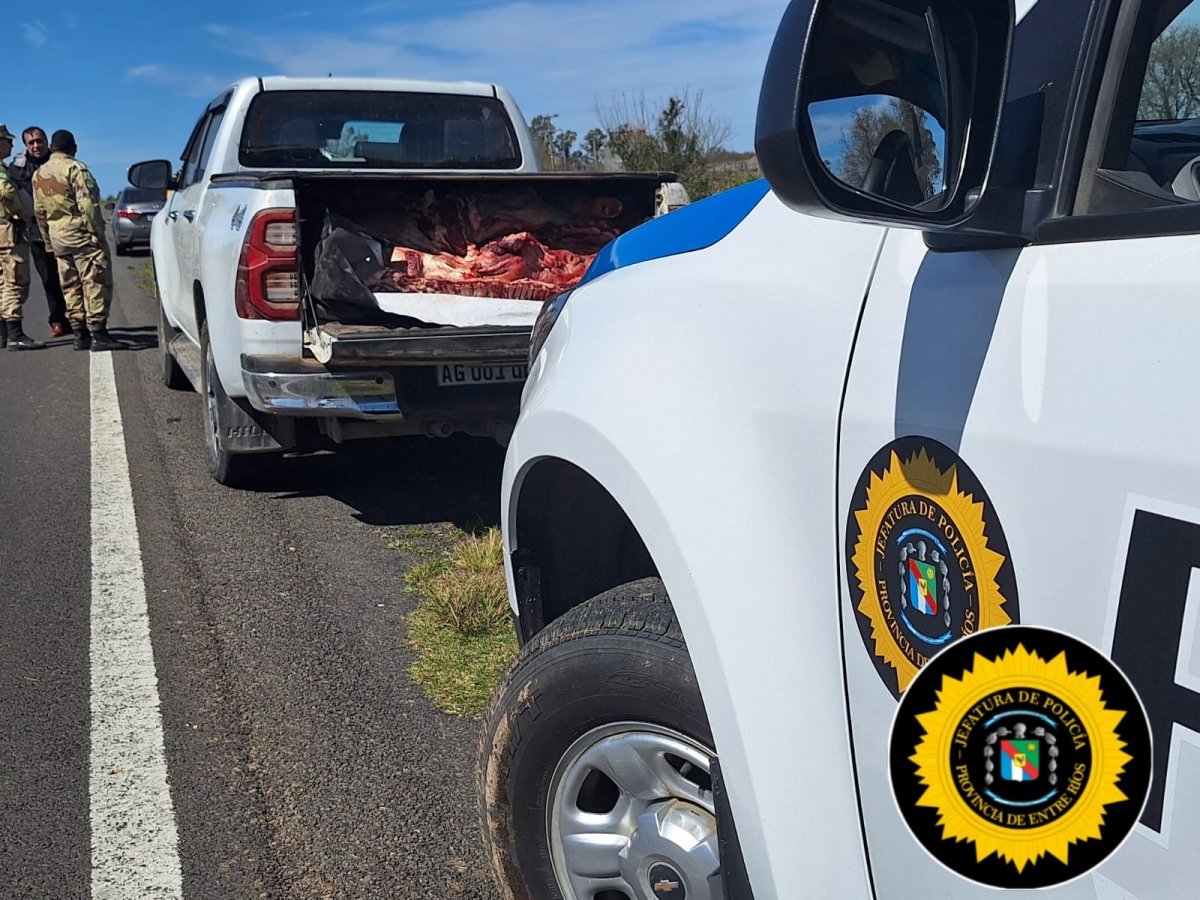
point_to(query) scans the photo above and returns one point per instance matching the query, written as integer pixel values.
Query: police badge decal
(1020, 758)
(926, 557)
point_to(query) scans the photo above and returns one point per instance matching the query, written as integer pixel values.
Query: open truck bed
(378, 358)
(354, 314)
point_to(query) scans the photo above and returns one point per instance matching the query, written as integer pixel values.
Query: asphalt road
(302, 762)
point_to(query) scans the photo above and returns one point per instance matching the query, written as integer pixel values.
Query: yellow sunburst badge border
(920, 476)
(1083, 821)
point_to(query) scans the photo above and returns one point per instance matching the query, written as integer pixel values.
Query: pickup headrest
(465, 139)
(383, 151)
(298, 133)
(424, 141)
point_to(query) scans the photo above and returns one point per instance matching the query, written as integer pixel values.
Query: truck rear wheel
(596, 759)
(231, 469)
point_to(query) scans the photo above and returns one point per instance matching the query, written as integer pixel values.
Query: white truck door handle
(189, 214)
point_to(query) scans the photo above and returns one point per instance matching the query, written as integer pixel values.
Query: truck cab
(952, 333)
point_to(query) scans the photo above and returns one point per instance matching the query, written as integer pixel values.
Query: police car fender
(782, 295)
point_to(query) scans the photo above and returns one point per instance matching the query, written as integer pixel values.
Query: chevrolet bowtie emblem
(665, 887)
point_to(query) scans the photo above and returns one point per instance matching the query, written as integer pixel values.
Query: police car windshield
(377, 130)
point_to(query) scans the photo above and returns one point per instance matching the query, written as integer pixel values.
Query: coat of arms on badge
(1020, 757)
(927, 561)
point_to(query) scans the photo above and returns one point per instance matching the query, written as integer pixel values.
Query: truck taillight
(268, 275)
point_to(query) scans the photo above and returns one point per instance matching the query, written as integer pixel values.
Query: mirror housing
(152, 175)
(947, 59)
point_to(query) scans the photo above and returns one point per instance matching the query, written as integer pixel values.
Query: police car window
(1145, 151)
(1171, 85)
(850, 134)
(1166, 137)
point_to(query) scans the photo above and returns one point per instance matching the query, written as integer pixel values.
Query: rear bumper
(131, 234)
(366, 345)
(300, 387)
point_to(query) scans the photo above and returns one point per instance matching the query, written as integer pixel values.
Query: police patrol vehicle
(787, 457)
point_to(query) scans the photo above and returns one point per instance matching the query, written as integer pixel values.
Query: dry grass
(461, 632)
(144, 276)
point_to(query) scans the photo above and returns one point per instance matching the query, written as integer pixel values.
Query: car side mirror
(885, 111)
(154, 175)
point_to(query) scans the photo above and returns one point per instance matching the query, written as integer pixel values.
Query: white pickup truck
(349, 258)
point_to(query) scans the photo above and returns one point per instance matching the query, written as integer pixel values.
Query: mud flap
(246, 430)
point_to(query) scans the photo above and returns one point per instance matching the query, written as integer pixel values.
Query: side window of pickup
(199, 148)
(191, 153)
(210, 137)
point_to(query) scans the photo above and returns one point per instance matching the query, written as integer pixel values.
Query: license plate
(453, 374)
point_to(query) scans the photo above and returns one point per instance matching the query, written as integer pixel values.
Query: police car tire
(173, 375)
(619, 657)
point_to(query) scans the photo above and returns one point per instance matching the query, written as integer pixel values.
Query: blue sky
(130, 79)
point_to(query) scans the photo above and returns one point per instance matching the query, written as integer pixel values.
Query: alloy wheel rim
(631, 815)
(210, 404)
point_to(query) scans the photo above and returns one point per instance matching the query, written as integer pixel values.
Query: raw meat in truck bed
(517, 266)
(511, 245)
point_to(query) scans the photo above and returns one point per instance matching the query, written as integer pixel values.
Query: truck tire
(230, 469)
(596, 755)
(173, 375)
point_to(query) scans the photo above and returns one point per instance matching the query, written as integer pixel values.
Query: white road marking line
(135, 848)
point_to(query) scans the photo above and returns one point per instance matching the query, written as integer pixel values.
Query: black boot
(102, 340)
(18, 339)
(83, 340)
(3, 334)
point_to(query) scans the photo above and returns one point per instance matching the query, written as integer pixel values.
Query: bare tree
(867, 129)
(564, 143)
(1171, 89)
(594, 144)
(544, 131)
(679, 137)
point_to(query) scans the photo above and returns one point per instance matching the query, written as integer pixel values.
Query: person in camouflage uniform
(14, 257)
(21, 169)
(66, 203)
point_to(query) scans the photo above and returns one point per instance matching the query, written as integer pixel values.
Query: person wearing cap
(37, 151)
(66, 203)
(14, 257)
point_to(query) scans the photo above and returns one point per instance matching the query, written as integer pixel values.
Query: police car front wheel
(596, 759)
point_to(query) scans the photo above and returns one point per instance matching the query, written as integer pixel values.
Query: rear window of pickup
(377, 130)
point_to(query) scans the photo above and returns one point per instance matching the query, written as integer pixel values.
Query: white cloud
(554, 57)
(35, 33)
(200, 85)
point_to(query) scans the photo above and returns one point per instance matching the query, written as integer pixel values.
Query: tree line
(636, 135)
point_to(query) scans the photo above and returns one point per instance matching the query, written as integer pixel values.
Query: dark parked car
(131, 217)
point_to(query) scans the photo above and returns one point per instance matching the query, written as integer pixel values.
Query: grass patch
(144, 276)
(461, 631)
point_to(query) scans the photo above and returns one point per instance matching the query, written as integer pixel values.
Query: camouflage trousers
(14, 280)
(87, 285)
